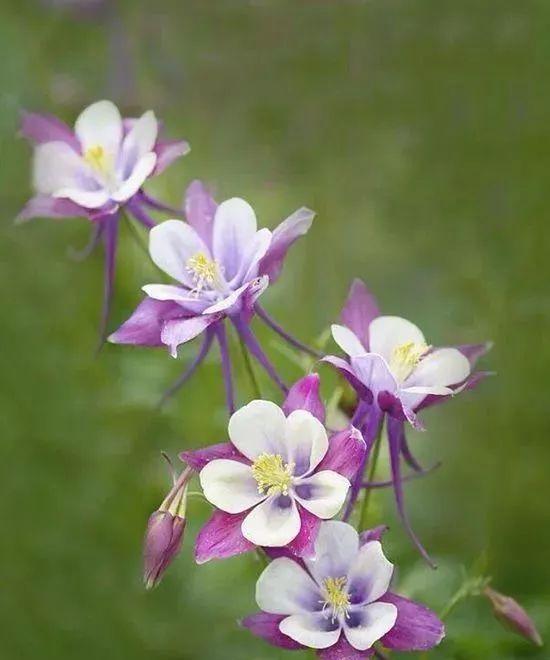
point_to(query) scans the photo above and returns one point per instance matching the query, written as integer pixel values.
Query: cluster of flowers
(283, 477)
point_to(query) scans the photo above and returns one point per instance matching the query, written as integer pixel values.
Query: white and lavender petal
(388, 332)
(323, 493)
(370, 574)
(336, 547)
(285, 587)
(314, 630)
(305, 440)
(273, 523)
(366, 625)
(348, 341)
(258, 428)
(230, 486)
(234, 229)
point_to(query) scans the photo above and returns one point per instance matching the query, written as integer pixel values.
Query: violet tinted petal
(417, 628)
(374, 534)
(144, 327)
(303, 545)
(266, 626)
(359, 310)
(41, 128)
(167, 152)
(200, 209)
(198, 458)
(471, 382)
(304, 395)
(221, 537)
(179, 331)
(44, 206)
(345, 454)
(475, 351)
(343, 650)
(349, 374)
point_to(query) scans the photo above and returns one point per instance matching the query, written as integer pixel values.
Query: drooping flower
(339, 601)
(96, 170)
(221, 264)
(396, 373)
(512, 615)
(278, 477)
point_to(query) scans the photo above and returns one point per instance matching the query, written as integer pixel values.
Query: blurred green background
(419, 132)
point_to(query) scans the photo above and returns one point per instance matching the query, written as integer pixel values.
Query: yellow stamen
(204, 271)
(272, 475)
(336, 597)
(406, 357)
(98, 159)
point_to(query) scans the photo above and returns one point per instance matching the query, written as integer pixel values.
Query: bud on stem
(512, 615)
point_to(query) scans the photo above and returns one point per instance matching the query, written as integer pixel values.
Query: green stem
(250, 371)
(370, 477)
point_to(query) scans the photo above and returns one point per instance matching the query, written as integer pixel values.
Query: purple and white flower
(396, 373)
(339, 602)
(278, 477)
(95, 170)
(221, 263)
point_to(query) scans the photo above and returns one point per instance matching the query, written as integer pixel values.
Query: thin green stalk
(250, 371)
(370, 477)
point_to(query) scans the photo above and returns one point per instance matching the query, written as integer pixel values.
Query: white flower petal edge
(306, 441)
(143, 168)
(328, 491)
(258, 428)
(442, 367)
(312, 630)
(235, 225)
(55, 166)
(347, 340)
(272, 525)
(100, 124)
(285, 588)
(230, 485)
(373, 622)
(336, 547)
(371, 561)
(388, 332)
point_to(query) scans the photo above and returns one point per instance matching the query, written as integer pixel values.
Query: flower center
(336, 596)
(272, 474)
(98, 159)
(204, 271)
(405, 358)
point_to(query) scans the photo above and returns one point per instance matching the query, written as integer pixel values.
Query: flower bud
(164, 534)
(513, 616)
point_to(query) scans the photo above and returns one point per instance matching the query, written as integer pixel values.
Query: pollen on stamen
(336, 597)
(97, 158)
(203, 270)
(272, 475)
(406, 357)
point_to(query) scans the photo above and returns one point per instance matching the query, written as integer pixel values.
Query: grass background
(418, 131)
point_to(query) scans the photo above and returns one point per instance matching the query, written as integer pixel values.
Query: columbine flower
(278, 477)
(164, 534)
(221, 263)
(339, 601)
(395, 372)
(512, 615)
(95, 170)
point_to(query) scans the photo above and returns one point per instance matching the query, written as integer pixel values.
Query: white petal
(370, 574)
(100, 124)
(227, 302)
(316, 631)
(322, 494)
(167, 292)
(230, 485)
(388, 332)
(370, 623)
(258, 428)
(56, 165)
(171, 245)
(234, 229)
(144, 167)
(306, 441)
(252, 256)
(139, 141)
(286, 588)
(348, 341)
(273, 523)
(90, 199)
(336, 547)
(444, 366)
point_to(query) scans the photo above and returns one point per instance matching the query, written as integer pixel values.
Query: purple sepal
(200, 209)
(360, 309)
(266, 626)
(345, 454)
(179, 331)
(145, 326)
(167, 152)
(41, 128)
(475, 351)
(198, 458)
(43, 206)
(393, 406)
(470, 383)
(304, 395)
(163, 541)
(343, 650)
(221, 537)
(347, 372)
(304, 543)
(284, 235)
(417, 628)
(374, 534)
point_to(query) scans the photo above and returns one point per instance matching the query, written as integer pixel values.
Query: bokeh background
(419, 132)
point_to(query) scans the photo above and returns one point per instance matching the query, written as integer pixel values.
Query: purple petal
(284, 236)
(349, 374)
(200, 209)
(475, 351)
(221, 537)
(374, 534)
(417, 628)
(304, 544)
(163, 542)
(304, 395)
(392, 405)
(198, 458)
(41, 128)
(180, 331)
(167, 152)
(359, 310)
(346, 452)
(343, 650)
(469, 384)
(43, 206)
(145, 325)
(266, 626)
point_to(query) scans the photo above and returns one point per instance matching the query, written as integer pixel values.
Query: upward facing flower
(339, 601)
(221, 264)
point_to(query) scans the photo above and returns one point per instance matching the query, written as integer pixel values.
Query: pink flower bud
(513, 616)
